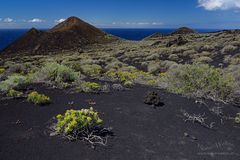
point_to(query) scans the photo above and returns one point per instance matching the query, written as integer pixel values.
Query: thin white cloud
(60, 20)
(36, 20)
(219, 4)
(157, 23)
(143, 23)
(138, 23)
(8, 20)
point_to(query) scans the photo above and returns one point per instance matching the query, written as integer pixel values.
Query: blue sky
(217, 14)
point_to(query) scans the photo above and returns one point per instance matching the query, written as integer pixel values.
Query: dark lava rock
(152, 98)
(179, 41)
(3, 78)
(236, 99)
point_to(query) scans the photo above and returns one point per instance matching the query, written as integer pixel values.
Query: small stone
(194, 138)
(186, 134)
(52, 134)
(117, 87)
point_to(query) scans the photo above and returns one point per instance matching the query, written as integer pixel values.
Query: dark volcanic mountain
(184, 30)
(72, 34)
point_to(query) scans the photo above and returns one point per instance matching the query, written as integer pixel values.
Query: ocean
(7, 36)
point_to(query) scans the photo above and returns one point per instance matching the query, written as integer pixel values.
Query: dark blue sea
(7, 36)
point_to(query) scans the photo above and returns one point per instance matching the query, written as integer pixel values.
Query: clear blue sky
(122, 13)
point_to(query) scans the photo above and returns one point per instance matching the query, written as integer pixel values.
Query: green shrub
(77, 121)
(88, 87)
(12, 82)
(128, 84)
(200, 80)
(160, 66)
(237, 118)
(116, 64)
(36, 98)
(55, 72)
(129, 75)
(124, 76)
(91, 70)
(154, 67)
(229, 49)
(189, 52)
(173, 57)
(2, 70)
(235, 61)
(14, 93)
(203, 59)
(17, 68)
(207, 48)
(152, 82)
(152, 57)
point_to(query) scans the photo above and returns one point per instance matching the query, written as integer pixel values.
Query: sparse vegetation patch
(56, 73)
(13, 93)
(200, 80)
(12, 82)
(39, 99)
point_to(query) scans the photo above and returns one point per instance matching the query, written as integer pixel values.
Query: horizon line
(129, 28)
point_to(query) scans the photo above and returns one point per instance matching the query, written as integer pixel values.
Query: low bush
(154, 67)
(116, 64)
(152, 82)
(36, 98)
(237, 118)
(189, 52)
(235, 60)
(55, 72)
(88, 87)
(91, 70)
(129, 75)
(207, 54)
(235, 71)
(160, 66)
(152, 57)
(74, 122)
(121, 75)
(12, 82)
(17, 68)
(200, 80)
(2, 70)
(209, 48)
(203, 59)
(173, 57)
(128, 84)
(84, 124)
(14, 93)
(229, 49)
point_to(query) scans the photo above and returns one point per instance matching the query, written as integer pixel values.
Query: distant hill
(184, 30)
(179, 31)
(72, 34)
(154, 36)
